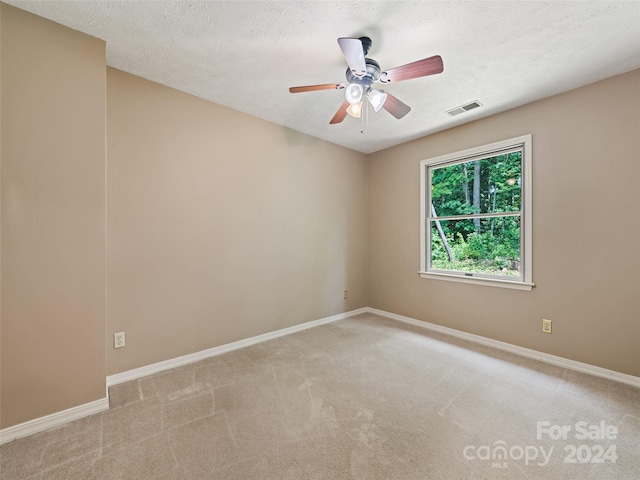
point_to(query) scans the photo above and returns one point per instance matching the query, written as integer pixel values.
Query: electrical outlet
(118, 340)
(345, 294)
(546, 325)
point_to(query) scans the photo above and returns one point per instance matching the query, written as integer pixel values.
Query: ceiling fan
(364, 72)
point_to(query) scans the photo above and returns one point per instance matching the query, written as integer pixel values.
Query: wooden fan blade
(313, 88)
(340, 114)
(354, 54)
(421, 68)
(395, 107)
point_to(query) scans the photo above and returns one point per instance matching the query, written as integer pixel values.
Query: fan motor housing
(373, 72)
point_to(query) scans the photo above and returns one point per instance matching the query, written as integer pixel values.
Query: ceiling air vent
(464, 108)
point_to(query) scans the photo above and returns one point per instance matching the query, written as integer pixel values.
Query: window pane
(489, 246)
(489, 185)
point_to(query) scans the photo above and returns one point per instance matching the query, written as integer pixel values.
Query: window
(476, 215)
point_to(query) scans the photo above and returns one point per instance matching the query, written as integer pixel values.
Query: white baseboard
(81, 411)
(54, 420)
(211, 352)
(525, 352)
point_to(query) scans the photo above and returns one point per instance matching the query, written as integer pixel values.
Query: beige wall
(53, 217)
(222, 226)
(586, 228)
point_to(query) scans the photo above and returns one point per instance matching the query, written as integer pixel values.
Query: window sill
(488, 282)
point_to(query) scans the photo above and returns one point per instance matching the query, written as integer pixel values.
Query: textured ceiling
(245, 55)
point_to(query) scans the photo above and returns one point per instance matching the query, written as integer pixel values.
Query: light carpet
(362, 398)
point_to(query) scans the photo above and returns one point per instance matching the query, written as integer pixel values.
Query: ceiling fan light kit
(377, 99)
(355, 110)
(361, 75)
(353, 93)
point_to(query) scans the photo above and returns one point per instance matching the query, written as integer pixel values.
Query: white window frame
(525, 281)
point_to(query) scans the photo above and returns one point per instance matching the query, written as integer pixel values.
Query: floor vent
(464, 108)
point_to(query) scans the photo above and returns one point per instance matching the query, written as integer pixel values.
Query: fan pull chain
(365, 114)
